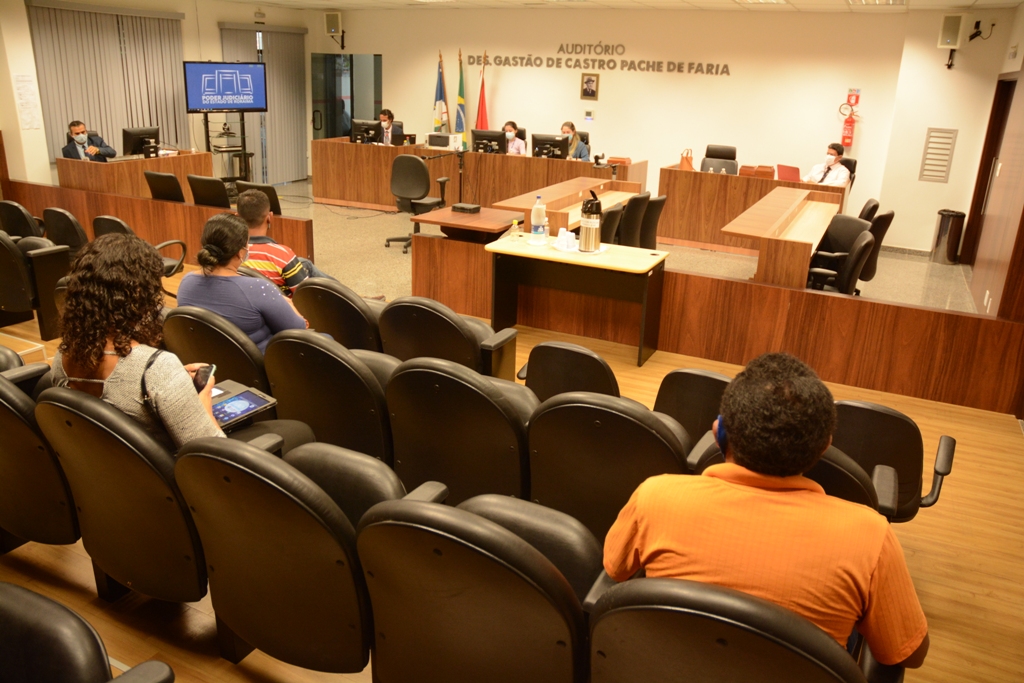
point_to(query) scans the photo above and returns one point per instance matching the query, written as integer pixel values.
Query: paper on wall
(26, 97)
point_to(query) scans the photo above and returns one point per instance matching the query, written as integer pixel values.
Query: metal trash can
(947, 237)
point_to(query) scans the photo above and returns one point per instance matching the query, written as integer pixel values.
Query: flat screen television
(225, 86)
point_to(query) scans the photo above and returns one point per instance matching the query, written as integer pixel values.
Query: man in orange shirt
(755, 524)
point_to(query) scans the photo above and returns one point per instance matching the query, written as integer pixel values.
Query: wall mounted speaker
(951, 31)
(332, 23)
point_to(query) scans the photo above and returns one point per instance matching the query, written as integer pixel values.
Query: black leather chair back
(873, 434)
(649, 226)
(671, 629)
(718, 157)
(17, 292)
(842, 477)
(632, 218)
(879, 226)
(692, 397)
(135, 524)
(558, 367)
(35, 499)
(410, 179)
(850, 270)
(584, 137)
(164, 186)
(454, 425)
(589, 452)
(63, 228)
(286, 578)
(60, 294)
(610, 220)
(196, 335)
(16, 221)
(9, 359)
(208, 191)
(414, 327)
(720, 152)
(269, 190)
(320, 382)
(457, 597)
(850, 164)
(869, 210)
(334, 309)
(841, 233)
(107, 225)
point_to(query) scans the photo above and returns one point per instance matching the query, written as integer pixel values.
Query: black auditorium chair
(414, 326)
(279, 537)
(135, 524)
(875, 435)
(589, 452)
(42, 641)
(649, 226)
(105, 225)
(843, 269)
(9, 359)
(678, 630)
(29, 271)
(851, 166)
(879, 227)
(410, 183)
(869, 210)
(63, 229)
(16, 221)
(610, 220)
(196, 335)
(338, 392)
(454, 425)
(490, 590)
(632, 218)
(334, 309)
(557, 367)
(275, 202)
(208, 191)
(164, 186)
(720, 158)
(35, 500)
(692, 397)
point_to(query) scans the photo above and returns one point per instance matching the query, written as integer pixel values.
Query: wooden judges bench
(125, 176)
(349, 174)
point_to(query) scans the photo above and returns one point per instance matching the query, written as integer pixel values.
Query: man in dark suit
(86, 147)
(387, 132)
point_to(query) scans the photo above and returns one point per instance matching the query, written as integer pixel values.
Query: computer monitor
(555, 146)
(140, 140)
(490, 141)
(361, 130)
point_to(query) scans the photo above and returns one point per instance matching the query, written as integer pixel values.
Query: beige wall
(24, 162)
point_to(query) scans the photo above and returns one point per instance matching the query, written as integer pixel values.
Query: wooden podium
(125, 177)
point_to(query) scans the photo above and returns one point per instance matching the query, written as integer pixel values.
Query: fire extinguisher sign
(852, 100)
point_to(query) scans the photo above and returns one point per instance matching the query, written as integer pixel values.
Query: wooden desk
(564, 201)
(483, 227)
(787, 226)
(699, 205)
(351, 174)
(625, 274)
(126, 177)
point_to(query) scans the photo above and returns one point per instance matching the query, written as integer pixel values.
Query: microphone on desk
(597, 160)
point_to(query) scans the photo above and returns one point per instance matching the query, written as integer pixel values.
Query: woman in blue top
(255, 305)
(577, 148)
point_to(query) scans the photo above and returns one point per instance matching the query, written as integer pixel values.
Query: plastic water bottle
(722, 171)
(537, 216)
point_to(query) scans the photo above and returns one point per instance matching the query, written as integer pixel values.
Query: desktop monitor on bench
(141, 141)
(555, 146)
(490, 141)
(361, 130)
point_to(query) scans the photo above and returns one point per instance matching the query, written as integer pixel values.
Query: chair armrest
(886, 483)
(173, 243)
(498, 353)
(876, 672)
(943, 466)
(27, 376)
(49, 265)
(819, 277)
(271, 443)
(428, 492)
(600, 587)
(704, 454)
(442, 182)
(148, 672)
(522, 372)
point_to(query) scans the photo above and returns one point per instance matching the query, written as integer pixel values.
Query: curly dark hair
(113, 293)
(779, 417)
(224, 235)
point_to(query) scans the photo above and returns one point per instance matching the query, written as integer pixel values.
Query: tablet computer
(234, 403)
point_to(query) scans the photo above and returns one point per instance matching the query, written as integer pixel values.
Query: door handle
(320, 125)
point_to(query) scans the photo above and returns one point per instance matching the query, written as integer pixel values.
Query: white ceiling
(741, 5)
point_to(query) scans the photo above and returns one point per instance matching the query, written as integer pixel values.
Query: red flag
(481, 107)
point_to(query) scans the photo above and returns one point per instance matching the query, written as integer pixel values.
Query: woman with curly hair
(111, 327)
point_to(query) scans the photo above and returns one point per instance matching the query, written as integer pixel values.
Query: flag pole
(444, 88)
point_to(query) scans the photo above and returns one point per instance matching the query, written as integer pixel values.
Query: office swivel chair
(649, 226)
(29, 271)
(275, 202)
(632, 218)
(869, 210)
(610, 220)
(718, 158)
(334, 309)
(845, 268)
(879, 226)
(410, 183)
(16, 221)
(64, 229)
(164, 186)
(104, 225)
(208, 191)
(851, 166)
(558, 367)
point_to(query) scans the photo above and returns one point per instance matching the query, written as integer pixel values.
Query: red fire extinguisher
(848, 131)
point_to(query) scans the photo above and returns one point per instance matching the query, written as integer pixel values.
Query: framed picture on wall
(588, 86)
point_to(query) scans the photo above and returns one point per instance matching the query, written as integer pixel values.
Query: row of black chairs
(206, 191)
(848, 251)
(635, 224)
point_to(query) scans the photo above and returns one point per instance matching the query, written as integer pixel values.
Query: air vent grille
(938, 155)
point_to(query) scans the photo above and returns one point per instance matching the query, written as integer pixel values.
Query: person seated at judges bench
(832, 171)
(387, 132)
(84, 146)
(756, 525)
(513, 144)
(577, 148)
(276, 262)
(256, 306)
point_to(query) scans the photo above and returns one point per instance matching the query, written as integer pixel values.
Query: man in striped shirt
(277, 262)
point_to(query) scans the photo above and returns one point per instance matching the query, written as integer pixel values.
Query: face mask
(509, 134)
(386, 124)
(829, 159)
(81, 138)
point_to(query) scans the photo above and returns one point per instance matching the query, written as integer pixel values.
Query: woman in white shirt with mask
(514, 144)
(831, 172)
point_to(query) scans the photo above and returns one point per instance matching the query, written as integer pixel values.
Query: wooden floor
(966, 554)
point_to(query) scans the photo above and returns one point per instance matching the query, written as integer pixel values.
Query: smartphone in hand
(202, 376)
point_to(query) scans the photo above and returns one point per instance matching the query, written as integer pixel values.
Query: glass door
(332, 95)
